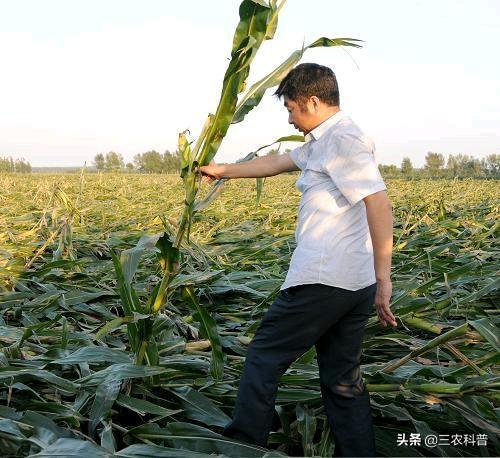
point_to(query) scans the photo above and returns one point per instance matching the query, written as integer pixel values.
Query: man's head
(311, 95)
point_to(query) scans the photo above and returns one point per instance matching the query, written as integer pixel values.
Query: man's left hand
(382, 303)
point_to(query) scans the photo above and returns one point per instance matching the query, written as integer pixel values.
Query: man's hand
(382, 303)
(210, 172)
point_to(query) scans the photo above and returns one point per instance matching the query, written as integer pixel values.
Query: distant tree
(129, 166)
(464, 165)
(491, 165)
(475, 168)
(452, 165)
(19, 166)
(434, 163)
(14, 166)
(171, 162)
(113, 162)
(138, 162)
(99, 161)
(406, 167)
(22, 166)
(469, 166)
(389, 171)
(152, 162)
(5, 165)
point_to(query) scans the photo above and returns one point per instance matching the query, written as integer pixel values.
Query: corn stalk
(258, 22)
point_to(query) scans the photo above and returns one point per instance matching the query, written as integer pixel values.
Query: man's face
(300, 116)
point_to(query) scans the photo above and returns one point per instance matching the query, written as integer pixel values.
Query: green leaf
(94, 355)
(195, 278)
(8, 426)
(148, 451)
(16, 373)
(402, 414)
(476, 420)
(72, 448)
(107, 438)
(105, 397)
(198, 439)
(488, 330)
(143, 407)
(325, 446)
(208, 328)
(130, 258)
(306, 425)
(198, 407)
(129, 300)
(168, 255)
(117, 372)
(253, 22)
(492, 285)
(76, 297)
(44, 424)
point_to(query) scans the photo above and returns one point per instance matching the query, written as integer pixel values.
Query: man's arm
(265, 166)
(380, 222)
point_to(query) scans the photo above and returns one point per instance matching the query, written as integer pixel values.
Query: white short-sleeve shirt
(334, 246)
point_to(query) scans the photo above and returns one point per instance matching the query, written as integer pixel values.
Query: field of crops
(71, 386)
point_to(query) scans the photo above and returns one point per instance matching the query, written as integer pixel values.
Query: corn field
(128, 303)
(71, 384)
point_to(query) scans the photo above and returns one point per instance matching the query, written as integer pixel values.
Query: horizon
(92, 165)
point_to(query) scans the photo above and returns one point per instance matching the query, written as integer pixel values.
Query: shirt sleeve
(351, 164)
(298, 156)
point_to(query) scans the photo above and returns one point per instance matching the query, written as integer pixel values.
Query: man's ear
(315, 103)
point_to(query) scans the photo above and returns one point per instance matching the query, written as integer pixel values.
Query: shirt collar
(318, 131)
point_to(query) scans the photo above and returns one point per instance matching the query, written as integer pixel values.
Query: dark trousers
(333, 319)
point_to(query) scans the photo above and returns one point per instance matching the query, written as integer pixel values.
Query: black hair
(306, 80)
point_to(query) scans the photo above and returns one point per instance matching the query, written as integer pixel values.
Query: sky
(85, 77)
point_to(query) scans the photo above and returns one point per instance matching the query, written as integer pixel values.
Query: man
(339, 269)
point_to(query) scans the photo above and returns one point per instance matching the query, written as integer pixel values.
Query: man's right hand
(210, 172)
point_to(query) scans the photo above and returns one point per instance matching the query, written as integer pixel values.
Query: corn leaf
(200, 408)
(208, 329)
(254, 95)
(105, 397)
(72, 448)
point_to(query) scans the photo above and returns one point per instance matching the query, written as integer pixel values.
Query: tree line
(436, 166)
(148, 162)
(10, 165)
